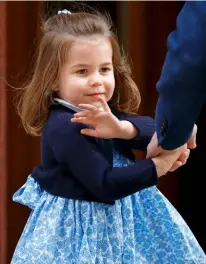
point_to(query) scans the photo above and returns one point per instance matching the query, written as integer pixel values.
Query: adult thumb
(191, 144)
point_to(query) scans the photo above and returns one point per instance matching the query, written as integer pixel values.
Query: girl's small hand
(182, 160)
(168, 160)
(104, 124)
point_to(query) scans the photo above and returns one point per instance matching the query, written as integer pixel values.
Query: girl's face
(87, 73)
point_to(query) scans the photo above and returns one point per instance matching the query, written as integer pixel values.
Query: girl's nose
(95, 81)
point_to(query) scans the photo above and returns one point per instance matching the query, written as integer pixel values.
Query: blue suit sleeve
(83, 159)
(182, 85)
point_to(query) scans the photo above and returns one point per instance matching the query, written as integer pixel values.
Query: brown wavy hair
(58, 33)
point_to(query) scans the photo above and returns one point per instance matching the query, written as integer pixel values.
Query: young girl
(84, 196)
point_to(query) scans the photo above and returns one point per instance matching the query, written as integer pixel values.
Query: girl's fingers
(85, 113)
(82, 120)
(181, 161)
(184, 156)
(88, 107)
(104, 104)
(89, 132)
(176, 165)
(91, 115)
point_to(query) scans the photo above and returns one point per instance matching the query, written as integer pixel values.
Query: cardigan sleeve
(84, 160)
(145, 127)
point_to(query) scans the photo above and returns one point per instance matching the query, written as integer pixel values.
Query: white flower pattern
(143, 228)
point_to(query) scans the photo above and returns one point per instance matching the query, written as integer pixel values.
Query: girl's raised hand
(103, 123)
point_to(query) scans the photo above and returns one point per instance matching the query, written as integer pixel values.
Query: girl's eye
(82, 72)
(104, 69)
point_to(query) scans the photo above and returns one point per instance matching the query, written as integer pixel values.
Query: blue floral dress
(143, 228)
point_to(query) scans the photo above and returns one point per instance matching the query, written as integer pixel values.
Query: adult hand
(153, 149)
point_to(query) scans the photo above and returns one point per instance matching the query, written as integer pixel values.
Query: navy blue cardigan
(81, 167)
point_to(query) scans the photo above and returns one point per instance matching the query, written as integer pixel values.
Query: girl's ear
(56, 89)
(55, 86)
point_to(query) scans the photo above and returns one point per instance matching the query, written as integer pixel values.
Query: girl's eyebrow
(79, 65)
(107, 63)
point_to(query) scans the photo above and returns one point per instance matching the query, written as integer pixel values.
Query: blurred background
(142, 28)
